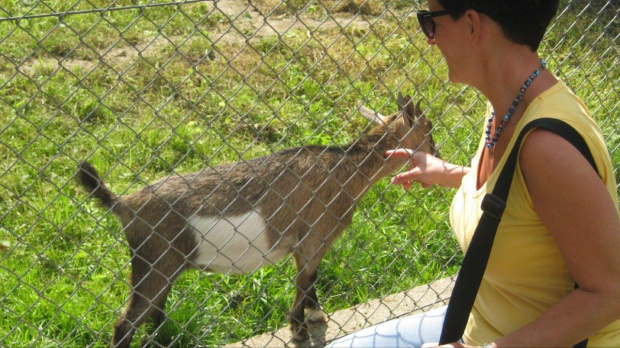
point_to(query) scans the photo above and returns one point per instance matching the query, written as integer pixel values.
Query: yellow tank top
(526, 273)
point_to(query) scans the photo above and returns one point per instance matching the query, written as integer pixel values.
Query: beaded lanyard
(491, 143)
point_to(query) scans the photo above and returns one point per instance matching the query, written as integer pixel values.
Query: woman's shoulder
(560, 102)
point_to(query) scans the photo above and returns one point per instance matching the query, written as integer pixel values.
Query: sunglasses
(427, 23)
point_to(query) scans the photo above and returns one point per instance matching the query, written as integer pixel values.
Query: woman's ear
(475, 24)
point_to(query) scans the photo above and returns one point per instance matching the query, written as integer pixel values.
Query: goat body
(239, 217)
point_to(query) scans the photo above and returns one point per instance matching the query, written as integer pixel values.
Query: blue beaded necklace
(491, 143)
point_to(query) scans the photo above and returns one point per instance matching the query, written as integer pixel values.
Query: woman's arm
(578, 211)
(427, 170)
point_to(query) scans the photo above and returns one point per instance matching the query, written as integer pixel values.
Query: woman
(561, 222)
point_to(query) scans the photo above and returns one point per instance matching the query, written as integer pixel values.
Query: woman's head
(522, 22)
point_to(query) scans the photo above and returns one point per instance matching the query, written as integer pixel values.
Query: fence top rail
(101, 10)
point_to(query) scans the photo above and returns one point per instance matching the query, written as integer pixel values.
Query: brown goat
(236, 218)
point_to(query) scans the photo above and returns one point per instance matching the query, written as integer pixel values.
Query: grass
(142, 94)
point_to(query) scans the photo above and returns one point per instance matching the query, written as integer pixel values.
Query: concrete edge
(346, 321)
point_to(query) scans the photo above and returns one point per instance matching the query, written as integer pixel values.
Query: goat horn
(372, 116)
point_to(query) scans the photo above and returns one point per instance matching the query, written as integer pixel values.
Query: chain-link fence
(145, 90)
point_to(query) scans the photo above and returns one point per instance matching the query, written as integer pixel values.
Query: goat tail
(89, 178)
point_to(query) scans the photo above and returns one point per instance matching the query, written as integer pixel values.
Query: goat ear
(374, 117)
(406, 107)
(418, 110)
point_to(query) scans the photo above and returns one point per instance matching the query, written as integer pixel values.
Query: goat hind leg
(157, 316)
(148, 297)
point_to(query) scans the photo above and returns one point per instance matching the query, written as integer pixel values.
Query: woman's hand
(426, 169)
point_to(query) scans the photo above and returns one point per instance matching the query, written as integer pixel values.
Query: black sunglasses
(427, 23)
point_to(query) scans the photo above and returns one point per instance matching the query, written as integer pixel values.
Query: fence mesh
(145, 90)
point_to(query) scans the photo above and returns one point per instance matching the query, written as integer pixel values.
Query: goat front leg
(305, 297)
(312, 307)
(296, 316)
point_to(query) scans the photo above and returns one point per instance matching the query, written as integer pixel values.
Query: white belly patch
(234, 244)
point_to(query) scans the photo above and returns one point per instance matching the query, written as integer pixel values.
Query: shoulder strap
(493, 204)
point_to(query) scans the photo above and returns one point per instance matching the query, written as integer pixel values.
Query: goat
(236, 218)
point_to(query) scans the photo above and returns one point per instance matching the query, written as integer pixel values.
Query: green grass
(159, 104)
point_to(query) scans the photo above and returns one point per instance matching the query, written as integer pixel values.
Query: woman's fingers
(399, 153)
(426, 169)
(407, 185)
(416, 172)
(407, 176)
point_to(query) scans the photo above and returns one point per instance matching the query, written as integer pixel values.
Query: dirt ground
(255, 19)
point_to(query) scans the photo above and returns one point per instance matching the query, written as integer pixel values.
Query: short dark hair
(522, 22)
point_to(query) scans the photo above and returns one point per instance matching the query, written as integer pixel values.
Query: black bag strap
(493, 204)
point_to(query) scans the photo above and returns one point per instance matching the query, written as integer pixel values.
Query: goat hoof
(316, 315)
(122, 334)
(147, 342)
(300, 332)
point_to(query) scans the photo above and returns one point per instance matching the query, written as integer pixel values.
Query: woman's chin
(452, 77)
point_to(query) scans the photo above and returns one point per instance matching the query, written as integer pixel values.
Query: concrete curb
(346, 321)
